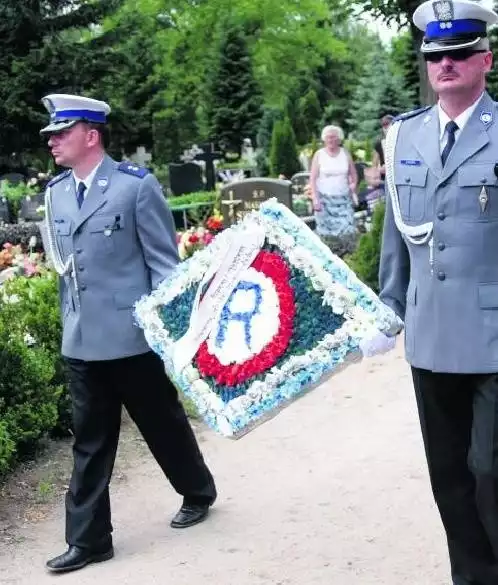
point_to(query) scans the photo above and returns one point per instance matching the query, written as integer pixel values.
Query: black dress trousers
(459, 420)
(99, 390)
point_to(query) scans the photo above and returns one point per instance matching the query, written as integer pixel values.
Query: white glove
(377, 344)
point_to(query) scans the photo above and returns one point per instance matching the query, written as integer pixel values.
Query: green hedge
(192, 198)
(33, 396)
(366, 258)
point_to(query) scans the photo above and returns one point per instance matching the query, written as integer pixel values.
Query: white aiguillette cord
(237, 253)
(415, 234)
(62, 268)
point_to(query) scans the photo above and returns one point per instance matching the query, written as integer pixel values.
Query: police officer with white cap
(439, 272)
(111, 238)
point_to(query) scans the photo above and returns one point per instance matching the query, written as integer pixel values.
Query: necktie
(451, 128)
(80, 194)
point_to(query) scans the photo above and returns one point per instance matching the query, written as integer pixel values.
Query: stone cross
(208, 154)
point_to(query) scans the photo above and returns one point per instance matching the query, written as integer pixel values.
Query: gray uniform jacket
(124, 244)
(451, 311)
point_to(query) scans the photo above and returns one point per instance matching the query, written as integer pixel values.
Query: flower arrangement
(257, 317)
(197, 238)
(15, 262)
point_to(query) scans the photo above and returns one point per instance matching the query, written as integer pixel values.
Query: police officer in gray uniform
(439, 272)
(112, 239)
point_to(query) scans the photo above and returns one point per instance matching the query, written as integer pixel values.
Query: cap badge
(443, 10)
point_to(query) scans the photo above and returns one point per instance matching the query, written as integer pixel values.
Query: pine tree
(380, 91)
(284, 159)
(234, 106)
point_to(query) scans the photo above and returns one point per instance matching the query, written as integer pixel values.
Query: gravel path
(334, 490)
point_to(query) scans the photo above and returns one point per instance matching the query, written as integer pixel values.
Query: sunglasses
(455, 55)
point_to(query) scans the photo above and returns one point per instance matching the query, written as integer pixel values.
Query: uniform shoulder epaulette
(412, 114)
(58, 178)
(131, 169)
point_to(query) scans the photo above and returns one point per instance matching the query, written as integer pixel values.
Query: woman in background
(333, 184)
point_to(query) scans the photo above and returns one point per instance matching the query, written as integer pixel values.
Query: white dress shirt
(88, 180)
(460, 120)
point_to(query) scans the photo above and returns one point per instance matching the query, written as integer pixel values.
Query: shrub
(283, 154)
(28, 400)
(366, 258)
(35, 312)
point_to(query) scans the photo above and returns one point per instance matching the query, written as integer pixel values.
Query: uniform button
(81, 268)
(441, 216)
(441, 275)
(83, 287)
(484, 181)
(441, 246)
(407, 179)
(78, 250)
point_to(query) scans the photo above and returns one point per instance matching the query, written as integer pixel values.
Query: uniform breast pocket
(105, 231)
(478, 193)
(411, 186)
(63, 233)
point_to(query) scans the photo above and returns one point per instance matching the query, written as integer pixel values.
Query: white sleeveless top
(333, 173)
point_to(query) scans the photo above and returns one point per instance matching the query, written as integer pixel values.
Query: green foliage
(41, 52)
(28, 401)
(263, 139)
(380, 91)
(36, 313)
(283, 155)
(404, 60)
(15, 194)
(366, 258)
(235, 101)
(193, 198)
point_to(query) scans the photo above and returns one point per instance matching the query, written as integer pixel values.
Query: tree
(401, 12)
(235, 101)
(404, 61)
(41, 52)
(380, 91)
(283, 155)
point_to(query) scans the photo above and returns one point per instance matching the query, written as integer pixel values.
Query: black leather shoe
(190, 514)
(76, 558)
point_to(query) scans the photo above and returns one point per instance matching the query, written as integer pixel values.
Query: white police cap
(67, 110)
(454, 24)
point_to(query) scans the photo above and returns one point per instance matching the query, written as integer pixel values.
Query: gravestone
(185, 178)
(4, 211)
(13, 178)
(299, 182)
(242, 197)
(29, 207)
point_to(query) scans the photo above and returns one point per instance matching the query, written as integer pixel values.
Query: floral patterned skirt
(336, 218)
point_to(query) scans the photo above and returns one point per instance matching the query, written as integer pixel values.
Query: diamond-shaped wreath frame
(313, 312)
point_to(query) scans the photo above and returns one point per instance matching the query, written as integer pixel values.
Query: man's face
(72, 145)
(458, 71)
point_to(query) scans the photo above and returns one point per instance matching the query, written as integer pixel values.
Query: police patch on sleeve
(131, 169)
(58, 178)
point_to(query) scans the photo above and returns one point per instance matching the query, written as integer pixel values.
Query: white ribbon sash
(237, 254)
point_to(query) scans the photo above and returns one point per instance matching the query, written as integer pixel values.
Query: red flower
(273, 266)
(193, 238)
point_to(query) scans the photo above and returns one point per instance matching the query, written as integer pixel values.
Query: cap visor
(433, 47)
(56, 127)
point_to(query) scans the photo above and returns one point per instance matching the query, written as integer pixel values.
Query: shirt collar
(88, 180)
(461, 119)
